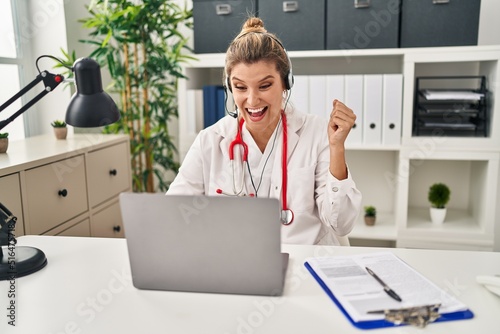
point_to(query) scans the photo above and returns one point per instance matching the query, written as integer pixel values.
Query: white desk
(86, 288)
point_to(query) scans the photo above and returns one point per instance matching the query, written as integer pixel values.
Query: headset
(287, 215)
(288, 78)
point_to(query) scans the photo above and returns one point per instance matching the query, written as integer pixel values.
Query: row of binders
(376, 99)
(206, 106)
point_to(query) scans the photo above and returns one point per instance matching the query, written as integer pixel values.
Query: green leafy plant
(4, 134)
(58, 124)
(142, 46)
(370, 211)
(65, 63)
(439, 195)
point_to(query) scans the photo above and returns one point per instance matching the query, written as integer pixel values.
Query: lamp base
(27, 261)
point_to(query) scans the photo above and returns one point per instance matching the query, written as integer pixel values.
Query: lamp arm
(51, 81)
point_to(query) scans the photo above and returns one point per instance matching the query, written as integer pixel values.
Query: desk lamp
(90, 106)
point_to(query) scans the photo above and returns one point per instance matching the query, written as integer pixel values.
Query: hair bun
(253, 24)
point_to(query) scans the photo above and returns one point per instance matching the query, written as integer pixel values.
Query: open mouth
(257, 113)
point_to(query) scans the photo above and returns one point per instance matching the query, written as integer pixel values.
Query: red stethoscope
(286, 214)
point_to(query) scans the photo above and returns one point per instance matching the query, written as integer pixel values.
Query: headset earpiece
(228, 84)
(288, 79)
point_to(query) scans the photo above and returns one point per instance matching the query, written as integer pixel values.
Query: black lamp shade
(90, 106)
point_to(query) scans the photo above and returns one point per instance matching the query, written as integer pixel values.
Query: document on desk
(347, 281)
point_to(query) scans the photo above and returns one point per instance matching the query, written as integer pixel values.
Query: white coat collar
(227, 127)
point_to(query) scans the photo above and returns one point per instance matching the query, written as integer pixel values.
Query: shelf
(457, 222)
(384, 228)
(395, 178)
(460, 230)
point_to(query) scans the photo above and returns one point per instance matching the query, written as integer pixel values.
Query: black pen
(387, 289)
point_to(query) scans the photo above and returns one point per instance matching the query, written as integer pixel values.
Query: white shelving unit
(395, 179)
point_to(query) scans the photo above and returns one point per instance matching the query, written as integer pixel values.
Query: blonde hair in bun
(254, 44)
(253, 24)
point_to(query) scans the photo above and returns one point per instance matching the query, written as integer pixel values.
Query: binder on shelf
(392, 106)
(317, 96)
(362, 298)
(372, 109)
(221, 103)
(354, 99)
(194, 110)
(334, 90)
(213, 104)
(300, 93)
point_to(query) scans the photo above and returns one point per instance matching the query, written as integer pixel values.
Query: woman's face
(258, 93)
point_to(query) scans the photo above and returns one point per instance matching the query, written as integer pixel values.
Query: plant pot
(370, 220)
(61, 133)
(4, 144)
(437, 215)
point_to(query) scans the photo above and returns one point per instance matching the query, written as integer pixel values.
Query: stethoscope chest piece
(286, 217)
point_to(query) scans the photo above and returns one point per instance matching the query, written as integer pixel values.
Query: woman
(270, 150)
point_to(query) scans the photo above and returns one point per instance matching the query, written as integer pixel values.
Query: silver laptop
(204, 244)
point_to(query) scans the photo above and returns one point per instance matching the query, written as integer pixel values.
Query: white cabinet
(55, 193)
(62, 187)
(107, 222)
(108, 172)
(395, 177)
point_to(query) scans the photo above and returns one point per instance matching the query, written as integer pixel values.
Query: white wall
(489, 24)
(47, 33)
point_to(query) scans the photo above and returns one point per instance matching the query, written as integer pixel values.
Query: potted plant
(4, 142)
(142, 45)
(370, 215)
(60, 129)
(439, 195)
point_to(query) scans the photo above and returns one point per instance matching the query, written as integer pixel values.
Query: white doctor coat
(325, 209)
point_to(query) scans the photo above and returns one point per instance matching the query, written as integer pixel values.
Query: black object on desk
(387, 289)
(16, 261)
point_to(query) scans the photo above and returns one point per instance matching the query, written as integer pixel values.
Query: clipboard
(373, 324)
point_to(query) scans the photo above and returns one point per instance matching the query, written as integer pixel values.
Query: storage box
(439, 22)
(362, 24)
(299, 24)
(217, 23)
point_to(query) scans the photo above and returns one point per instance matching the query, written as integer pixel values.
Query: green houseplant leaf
(142, 46)
(370, 211)
(58, 124)
(439, 195)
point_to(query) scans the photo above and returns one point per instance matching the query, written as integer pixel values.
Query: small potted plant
(4, 142)
(370, 215)
(60, 129)
(439, 195)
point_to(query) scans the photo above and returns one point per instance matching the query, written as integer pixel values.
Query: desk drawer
(81, 229)
(108, 173)
(108, 222)
(55, 193)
